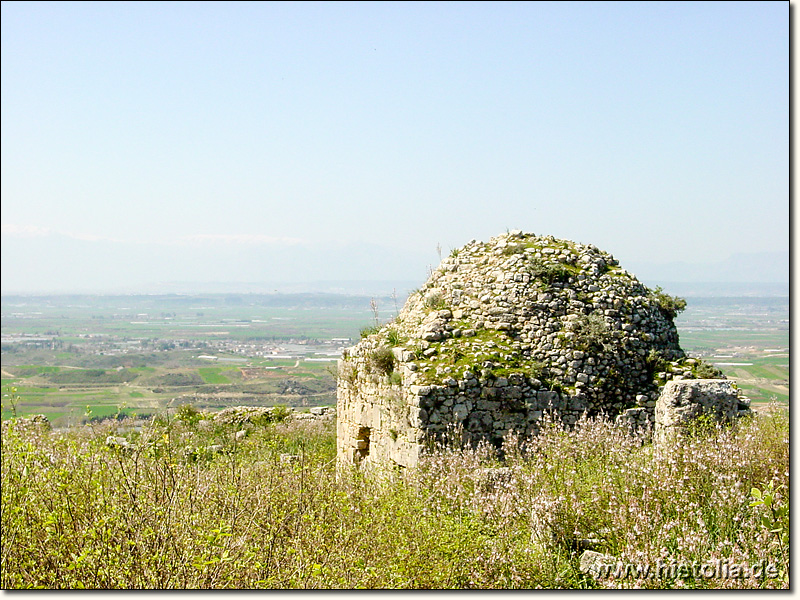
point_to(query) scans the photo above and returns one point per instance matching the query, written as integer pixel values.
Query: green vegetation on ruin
(456, 356)
(739, 330)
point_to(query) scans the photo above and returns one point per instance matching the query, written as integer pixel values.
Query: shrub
(348, 372)
(280, 413)
(669, 305)
(188, 414)
(382, 361)
(512, 249)
(655, 362)
(704, 370)
(775, 519)
(591, 332)
(11, 399)
(435, 301)
(180, 508)
(549, 273)
(177, 380)
(368, 331)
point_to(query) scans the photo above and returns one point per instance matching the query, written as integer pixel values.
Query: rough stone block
(683, 400)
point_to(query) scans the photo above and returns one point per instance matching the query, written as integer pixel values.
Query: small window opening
(362, 443)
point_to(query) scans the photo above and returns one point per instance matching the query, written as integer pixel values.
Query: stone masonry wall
(501, 333)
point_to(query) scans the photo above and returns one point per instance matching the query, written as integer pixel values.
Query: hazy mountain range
(59, 263)
(56, 263)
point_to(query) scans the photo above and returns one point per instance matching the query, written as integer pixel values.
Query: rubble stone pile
(503, 332)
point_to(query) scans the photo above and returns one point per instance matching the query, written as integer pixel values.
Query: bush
(591, 332)
(549, 273)
(188, 414)
(96, 376)
(704, 370)
(368, 331)
(435, 301)
(655, 362)
(177, 380)
(669, 305)
(281, 413)
(382, 361)
(180, 508)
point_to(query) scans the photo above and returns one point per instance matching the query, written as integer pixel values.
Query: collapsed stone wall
(501, 333)
(681, 402)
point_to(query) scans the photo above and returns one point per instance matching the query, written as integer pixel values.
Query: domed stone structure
(501, 333)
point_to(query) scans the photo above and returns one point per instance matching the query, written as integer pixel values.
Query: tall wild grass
(190, 504)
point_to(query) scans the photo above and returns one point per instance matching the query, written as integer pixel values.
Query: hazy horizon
(144, 143)
(76, 266)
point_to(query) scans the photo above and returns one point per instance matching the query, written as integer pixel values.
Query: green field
(174, 317)
(213, 375)
(747, 338)
(70, 357)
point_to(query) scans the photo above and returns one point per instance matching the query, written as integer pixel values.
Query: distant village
(211, 350)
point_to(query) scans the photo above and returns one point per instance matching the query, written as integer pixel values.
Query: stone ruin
(503, 333)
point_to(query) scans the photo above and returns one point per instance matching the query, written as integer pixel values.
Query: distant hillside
(55, 263)
(758, 267)
(61, 264)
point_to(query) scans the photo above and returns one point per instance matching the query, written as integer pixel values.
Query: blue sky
(657, 131)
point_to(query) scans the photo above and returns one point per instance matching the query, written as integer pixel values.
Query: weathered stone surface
(544, 326)
(686, 399)
(258, 415)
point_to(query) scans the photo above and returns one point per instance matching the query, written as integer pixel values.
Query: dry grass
(191, 505)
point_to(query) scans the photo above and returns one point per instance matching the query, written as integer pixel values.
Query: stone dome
(562, 313)
(503, 332)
